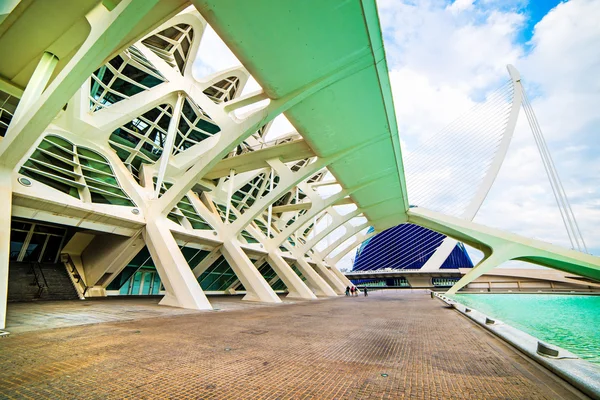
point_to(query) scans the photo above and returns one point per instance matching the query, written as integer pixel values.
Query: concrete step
(22, 286)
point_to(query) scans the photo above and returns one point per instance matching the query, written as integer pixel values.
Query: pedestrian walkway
(35, 316)
(390, 345)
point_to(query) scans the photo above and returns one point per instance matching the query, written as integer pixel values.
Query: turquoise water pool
(568, 321)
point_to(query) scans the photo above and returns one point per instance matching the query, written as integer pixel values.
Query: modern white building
(120, 168)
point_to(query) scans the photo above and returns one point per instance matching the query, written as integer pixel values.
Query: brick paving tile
(391, 345)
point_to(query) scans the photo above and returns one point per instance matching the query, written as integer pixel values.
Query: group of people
(353, 291)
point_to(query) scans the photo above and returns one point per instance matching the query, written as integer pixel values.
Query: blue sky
(534, 11)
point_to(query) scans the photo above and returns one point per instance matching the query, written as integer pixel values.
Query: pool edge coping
(580, 373)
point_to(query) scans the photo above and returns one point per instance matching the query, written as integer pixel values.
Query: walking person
(366, 292)
(347, 290)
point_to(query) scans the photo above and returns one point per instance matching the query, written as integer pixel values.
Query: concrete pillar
(183, 290)
(108, 254)
(36, 85)
(295, 285)
(170, 141)
(257, 288)
(5, 215)
(74, 247)
(492, 261)
(314, 280)
(330, 278)
(345, 281)
(419, 282)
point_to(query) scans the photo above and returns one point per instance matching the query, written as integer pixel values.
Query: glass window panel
(34, 248)
(52, 183)
(156, 286)
(116, 62)
(135, 287)
(17, 238)
(52, 249)
(123, 87)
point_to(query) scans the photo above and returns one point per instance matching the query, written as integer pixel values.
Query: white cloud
(562, 71)
(460, 5)
(443, 58)
(213, 55)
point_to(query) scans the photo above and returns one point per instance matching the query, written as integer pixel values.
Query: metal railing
(66, 258)
(38, 278)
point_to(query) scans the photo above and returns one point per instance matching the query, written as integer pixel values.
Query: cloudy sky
(444, 57)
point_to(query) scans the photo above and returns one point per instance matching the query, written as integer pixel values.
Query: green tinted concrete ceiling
(288, 44)
(60, 27)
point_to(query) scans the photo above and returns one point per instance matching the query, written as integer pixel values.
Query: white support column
(257, 264)
(107, 254)
(294, 284)
(345, 281)
(257, 288)
(229, 194)
(170, 141)
(270, 211)
(330, 277)
(36, 85)
(183, 290)
(5, 217)
(487, 264)
(314, 280)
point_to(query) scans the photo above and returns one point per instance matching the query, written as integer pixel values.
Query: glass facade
(184, 210)
(194, 126)
(382, 282)
(224, 90)
(172, 45)
(35, 242)
(142, 139)
(444, 282)
(140, 277)
(406, 246)
(77, 171)
(8, 106)
(218, 277)
(124, 76)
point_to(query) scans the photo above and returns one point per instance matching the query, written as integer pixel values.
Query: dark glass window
(17, 239)
(52, 249)
(34, 249)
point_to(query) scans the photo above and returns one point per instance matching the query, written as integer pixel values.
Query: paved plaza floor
(390, 345)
